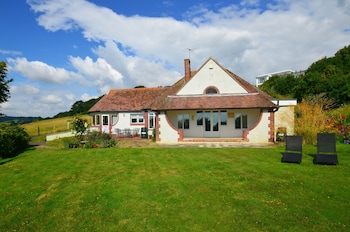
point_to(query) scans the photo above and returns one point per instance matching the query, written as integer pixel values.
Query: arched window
(211, 90)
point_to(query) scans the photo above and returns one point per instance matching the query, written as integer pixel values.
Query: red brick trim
(179, 132)
(246, 132)
(272, 127)
(157, 127)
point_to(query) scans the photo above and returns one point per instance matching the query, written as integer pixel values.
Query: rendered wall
(260, 133)
(167, 134)
(211, 75)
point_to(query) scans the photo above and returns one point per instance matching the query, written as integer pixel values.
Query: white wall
(225, 131)
(167, 133)
(260, 134)
(284, 117)
(211, 74)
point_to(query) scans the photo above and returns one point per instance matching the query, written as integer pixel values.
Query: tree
(79, 126)
(4, 88)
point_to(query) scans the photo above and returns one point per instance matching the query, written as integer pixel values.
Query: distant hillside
(18, 120)
(79, 107)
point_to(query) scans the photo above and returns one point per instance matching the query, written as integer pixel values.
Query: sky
(62, 51)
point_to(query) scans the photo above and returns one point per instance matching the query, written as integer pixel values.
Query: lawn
(173, 189)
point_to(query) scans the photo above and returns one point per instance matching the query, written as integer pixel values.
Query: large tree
(4, 88)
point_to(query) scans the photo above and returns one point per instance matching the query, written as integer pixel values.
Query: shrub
(71, 142)
(96, 139)
(312, 118)
(80, 125)
(13, 140)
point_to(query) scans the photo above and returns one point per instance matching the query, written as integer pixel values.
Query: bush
(96, 139)
(13, 140)
(71, 142)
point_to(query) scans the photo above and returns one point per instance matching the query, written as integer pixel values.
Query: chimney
(187, 70)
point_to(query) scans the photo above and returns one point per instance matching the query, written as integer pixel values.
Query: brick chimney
(187, 70)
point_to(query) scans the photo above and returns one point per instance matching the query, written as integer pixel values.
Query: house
(210, 104)
(259, 80)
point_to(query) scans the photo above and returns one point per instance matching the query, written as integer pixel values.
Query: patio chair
(293, 152)
(326, 149)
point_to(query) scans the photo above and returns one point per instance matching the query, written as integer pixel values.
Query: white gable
(211, 75)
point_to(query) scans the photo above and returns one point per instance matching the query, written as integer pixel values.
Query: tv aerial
(189, 52)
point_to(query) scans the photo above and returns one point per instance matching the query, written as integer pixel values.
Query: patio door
(211, 124)
(105, 124)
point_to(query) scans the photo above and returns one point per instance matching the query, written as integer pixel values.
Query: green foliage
(13, 140)
(71, 142)
(279, 86)
(79, 107)
(312, 117)
(4, 88)
(329, 76)
(92, 139)
(97, 139)
(154, 138)
(339, 122)
(80, 125)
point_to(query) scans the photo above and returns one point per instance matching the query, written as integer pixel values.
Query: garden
(173, 189)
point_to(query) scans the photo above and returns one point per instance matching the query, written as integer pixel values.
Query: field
(49, 126)
(173, 189)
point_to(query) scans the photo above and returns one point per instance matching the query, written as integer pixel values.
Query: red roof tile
(164, 98)
(215, 101)
(136, 99)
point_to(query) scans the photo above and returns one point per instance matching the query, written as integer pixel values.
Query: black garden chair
(326, 149)
(293, 152)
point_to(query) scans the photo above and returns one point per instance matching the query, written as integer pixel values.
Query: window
(211, 90)
(199, 118)
(114, 119)
(105, 120)
(93, 120)
(97, 120)
(183, 121)
(151, 119)
(137, 118)
(223, 118)
(241, 121)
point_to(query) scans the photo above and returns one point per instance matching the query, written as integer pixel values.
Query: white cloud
(29, 89)
(40, 71)
(9, 52)
(99, 73)
(250, 38)
(86, 97)
(51, 99)
(247, 39)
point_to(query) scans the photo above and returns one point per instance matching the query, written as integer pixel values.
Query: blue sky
(62, 51)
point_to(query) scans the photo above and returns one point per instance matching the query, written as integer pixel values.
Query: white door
(105, 124)
(211, 124)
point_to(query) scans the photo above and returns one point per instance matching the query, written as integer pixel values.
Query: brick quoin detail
(180, 133)
(157, 128)
(246, 133)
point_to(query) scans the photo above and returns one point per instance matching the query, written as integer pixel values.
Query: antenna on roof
(189, 52)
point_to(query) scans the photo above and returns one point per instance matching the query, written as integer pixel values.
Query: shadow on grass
(7, 160)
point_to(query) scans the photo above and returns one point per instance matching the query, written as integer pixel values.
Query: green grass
(173, 189)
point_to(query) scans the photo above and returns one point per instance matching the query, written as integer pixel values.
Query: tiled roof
(215, 101)
(136, 99)
(164, 98)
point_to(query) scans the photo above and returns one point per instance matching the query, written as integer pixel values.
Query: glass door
(105, 124)
(211, 124)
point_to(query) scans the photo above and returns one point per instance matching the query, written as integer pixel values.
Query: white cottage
(210, 104)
